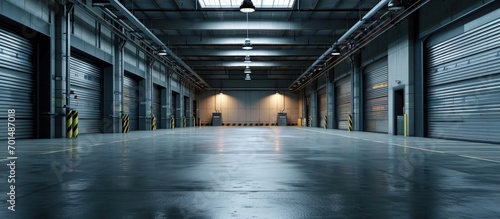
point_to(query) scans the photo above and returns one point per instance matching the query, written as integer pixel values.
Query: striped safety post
(69, 123)
(325, 124)
(153, 123)
(75, 124)
(125, 123)
(349, 122)
(405, 119)
(172, 123)
(310, 121)
(184, 122)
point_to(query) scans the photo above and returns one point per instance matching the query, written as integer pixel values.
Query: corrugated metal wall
(157, 104)
(322, 106)
(131, 100)
(17, 87)
(343, 101)
(375, 90)
(463, 86)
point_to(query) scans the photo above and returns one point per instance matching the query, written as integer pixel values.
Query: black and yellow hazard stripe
(172, 123)
(184, 122)
(349, 122)
(75, 124)
(125, 123)
(325, 124)
(69, 123)
(153, 123)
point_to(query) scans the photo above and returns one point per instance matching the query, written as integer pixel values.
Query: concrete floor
(253, 172)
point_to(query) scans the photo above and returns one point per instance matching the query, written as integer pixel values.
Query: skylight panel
(236, 3)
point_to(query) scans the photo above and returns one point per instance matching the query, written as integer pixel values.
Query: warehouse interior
(250, 108)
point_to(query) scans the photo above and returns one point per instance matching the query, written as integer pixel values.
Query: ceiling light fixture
(395, 5)
(247, 6)
(247, 70)
(162, 52)
(247, 77)
(247, 59)
(248, 44)
(335, 52)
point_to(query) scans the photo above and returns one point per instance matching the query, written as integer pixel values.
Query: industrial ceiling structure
(292, 40)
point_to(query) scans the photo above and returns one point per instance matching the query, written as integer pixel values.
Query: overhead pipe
(118, 6)
(415, 6)
(356, 26)
(122, 35)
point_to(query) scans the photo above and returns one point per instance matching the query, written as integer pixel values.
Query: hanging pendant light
(162, 52)
(247, 59)
(247, 6)
(247, 45)
(395, 5)
(335, 52)
(247, 77)
(247, 70)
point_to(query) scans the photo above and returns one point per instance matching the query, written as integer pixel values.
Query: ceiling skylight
(237, 3)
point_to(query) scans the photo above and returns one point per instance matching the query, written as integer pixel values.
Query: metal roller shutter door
(157, 104)
(463, 86)
(86, 82)
(322, 106)
(131, 101)
(343, 101)
(17, 87)
(375, 97)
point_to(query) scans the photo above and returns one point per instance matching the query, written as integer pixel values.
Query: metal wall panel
(322, 107)
(343, 101)
(86, 82)
(131, 100)
(157, 104)
(463, 86)
(17, 87)
(375, 90)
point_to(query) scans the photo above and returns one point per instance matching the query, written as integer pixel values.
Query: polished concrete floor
(253, 172)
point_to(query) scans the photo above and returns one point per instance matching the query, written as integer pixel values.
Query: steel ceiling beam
(161, 24)
(256, 39)
(255, 52)
(194, 64)
(260, 10)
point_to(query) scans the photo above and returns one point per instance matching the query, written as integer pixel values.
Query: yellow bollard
(125, 123)
(75, 124)
(349, 122)
(69, 123)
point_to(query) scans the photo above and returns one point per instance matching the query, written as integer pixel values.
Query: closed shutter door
(17, 86)
(343, 101)
(86, 83)
(157, 104)
(322, 106)
(375, 97)
(131, 101)
(463, 86)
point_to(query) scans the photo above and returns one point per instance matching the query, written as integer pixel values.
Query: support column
(314, 104)
(179, 102)
(62, 76)
(145, 97)
(169, 108)
(189, 107)
(330, 100)
(357, 93)
(304, 108)
(113, 89)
